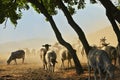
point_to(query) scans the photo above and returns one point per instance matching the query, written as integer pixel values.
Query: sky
(33, 25)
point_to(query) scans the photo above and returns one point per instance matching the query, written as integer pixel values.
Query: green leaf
(93, 1)
(2, 19)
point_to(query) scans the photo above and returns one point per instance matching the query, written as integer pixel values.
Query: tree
(11, 9)
(76, 27)
(48, 8)
(39, 6)
(113, 13)
(107, 4)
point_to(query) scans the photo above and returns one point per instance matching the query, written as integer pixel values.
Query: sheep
(43, 52)
(65, 55)
(16, 55)
(50, 60)
(99, 60)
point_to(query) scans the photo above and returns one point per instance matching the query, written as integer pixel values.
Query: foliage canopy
(12, 9)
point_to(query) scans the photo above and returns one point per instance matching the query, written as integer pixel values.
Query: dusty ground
(33, 71)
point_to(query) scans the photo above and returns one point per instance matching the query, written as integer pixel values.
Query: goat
(16, 55)
(112, 53)
(99, 61)
(109, 49)
(65, 55)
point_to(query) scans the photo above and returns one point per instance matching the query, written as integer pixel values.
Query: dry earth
(32, 70)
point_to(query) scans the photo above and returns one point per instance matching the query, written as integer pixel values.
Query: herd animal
(51, 60)
(111, 50)
(19, 54)
(103, 59)
(48, 58)
(99, 60)
(49, 55)
(65, 55)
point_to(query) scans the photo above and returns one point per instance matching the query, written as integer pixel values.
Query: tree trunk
(113, 14)
(41, 7)
(114, 25)
(77, 29)
(111, 7)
